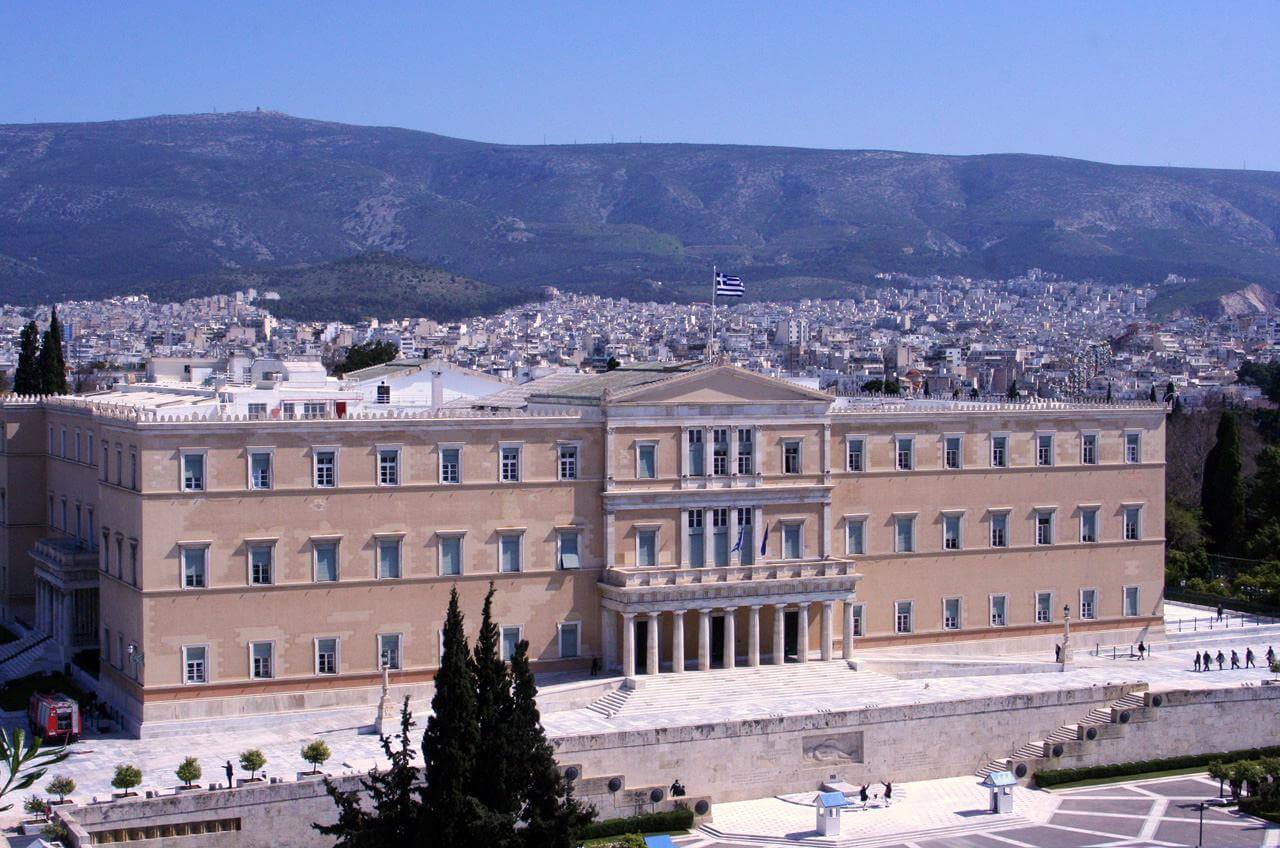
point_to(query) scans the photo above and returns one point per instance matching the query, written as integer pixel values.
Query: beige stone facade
(643, 518)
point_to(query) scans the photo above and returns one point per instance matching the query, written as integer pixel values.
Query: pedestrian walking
(1235, 660)
(1271, 656)
(1057, 653)
(1142, 650)
(1219, 612)
(1248, 658)
(1197, 660)
(888, 793)
(1221, 659)
(1208, 663)
(231, 773)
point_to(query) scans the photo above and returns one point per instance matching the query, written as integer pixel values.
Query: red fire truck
(54, 716)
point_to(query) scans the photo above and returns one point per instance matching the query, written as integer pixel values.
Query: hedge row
(681, 819)
(1057, 777)
(1263, 808)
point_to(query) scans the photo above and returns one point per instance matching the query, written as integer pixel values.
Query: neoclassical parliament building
(655, 519)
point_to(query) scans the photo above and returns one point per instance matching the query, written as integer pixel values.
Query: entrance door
(791, 635)
(717, 641)
(642, 647)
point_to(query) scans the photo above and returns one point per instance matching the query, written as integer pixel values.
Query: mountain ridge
(88, 209)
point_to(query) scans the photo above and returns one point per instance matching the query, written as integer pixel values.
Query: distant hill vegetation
(377, 285)
(1214, 297)
(100, 208)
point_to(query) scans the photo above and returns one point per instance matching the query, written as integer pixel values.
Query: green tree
(494, 758)
(24, 761)
(1170, 392)
(126, 777)
(50, 364)
(1013, 390)
(1219, 771)
(316, 753)
(876, 385)
(1251, 775)
(62, 786)
(393, 814)
(613, 364)
(1222, 493)
(26, 377)
(189, 771)
(1152, 395)
(366, 355)
(252, 760)
(892, 387)
(552, 816)
(1108, 391)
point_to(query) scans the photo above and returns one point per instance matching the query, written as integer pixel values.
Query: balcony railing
(640, 577)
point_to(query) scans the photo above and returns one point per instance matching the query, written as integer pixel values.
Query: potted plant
(62, 786)
(315, 753)
(251, 761)
(188, 771)
(126, 777)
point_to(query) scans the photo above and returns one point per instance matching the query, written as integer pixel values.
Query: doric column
(730, 637)
(682, 540)
(826, 630)
(704, 640)
(677, 641)
(708, 539)
(779, 634)
(628, 644)
(847, 630)
(608, 639)
(651, 663)
(610, 542)
(753, 636)
(824, 532)
(756, 439)
(802, 636)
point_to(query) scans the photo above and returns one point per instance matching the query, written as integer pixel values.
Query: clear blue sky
(1130, 82)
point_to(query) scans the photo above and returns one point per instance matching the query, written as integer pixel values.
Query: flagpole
(711, 338)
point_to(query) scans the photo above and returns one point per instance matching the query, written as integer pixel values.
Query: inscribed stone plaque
(843, 747)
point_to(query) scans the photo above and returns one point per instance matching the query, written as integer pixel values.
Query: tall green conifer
(50, 364)
(26, 379)
(491, 782)
(1222, 492)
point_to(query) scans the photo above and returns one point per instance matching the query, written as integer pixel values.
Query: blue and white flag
(742, 534)
(727, 286)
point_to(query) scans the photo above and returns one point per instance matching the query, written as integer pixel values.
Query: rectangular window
(106, 462)
(999, 610)
(720, 536)
(1088, 525)
(696, 549)
(1133, 447)
(89, 448)
(791, 547)
(999, 451)
(193, 472)
(450, 555)
(388, 467)
(63, 450)
(951, 614)
(567, 545)
(905, 542)
(260, 470)
(1132, 527)
(194, 567)
(570, 637)
(133, 468)
(195, 665)
(951, 532)
(79, 454)
(326, 469)
(791, 457)
(119, 465)
(952, 452)
(388, 559)
(450, 465)
(647, 547)
(746, 450)
(855, 537)
(857, 616)
(326, 554)
(133, 562)
(261, 666)
(510, 464)
(510, 639)
(1044, 607)
(1088, 604)
(855, 455)
(261, 564)
(389, 650)
(568, 462)
(646, 461)
(288, 411)
(120, 555)
(1089, 449)
(257, 411)
(999, 530)
(509, 552)
(327, 656)
(1044, 450)
(720, 451)
(697, 457)
(903, 615)
(1044, 527)
(1130, 601)
(906, 454)
(313, 410)
(746, 542)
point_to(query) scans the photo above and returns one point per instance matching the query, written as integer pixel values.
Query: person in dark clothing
(677, 789)
(1221, 659)
(1142, 650)
(1208, 661)
(1271, 655)
(862, 794)
(1235, 660)
(231, 773)
(1248, 658)
(1219, 612)
(1197, 660)
(595, 666)
(888, 793)
(1057, 653)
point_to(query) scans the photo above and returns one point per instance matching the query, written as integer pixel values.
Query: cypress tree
(50, 364)
(1013, 390)
(26, 379)
(491, 782)
(551, 815)
(1152, 396)
(1108, 391)
(1170, 393)
(1222, 492)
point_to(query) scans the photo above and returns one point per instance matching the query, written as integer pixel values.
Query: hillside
(378, 285)
(1212, 298)
(87, 209)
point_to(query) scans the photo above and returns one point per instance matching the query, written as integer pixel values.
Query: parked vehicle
(54, 716)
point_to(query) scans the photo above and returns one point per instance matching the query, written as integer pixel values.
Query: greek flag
(727, 286)
(742, 534)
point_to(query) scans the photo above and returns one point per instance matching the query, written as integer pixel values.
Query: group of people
(1204, 662)
(864, 795)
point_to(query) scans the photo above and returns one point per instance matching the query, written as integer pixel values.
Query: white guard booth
(828, 806)
(1001, 784)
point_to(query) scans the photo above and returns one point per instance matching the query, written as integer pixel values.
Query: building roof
(589, 389)
(1000, 778)
(405, 367)
(831, 799)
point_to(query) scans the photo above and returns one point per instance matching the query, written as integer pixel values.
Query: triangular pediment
(719, 384)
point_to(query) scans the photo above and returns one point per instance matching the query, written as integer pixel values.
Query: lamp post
(1066, 635)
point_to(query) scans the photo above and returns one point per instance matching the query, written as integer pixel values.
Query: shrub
(672, 820)
(189, 770)
(56, 831)
(1057, 777)
(126, 777)
(252, 760)
(316, 753)
(62, 786)
(36, 806)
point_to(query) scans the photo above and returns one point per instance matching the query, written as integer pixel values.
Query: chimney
(437, 389)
